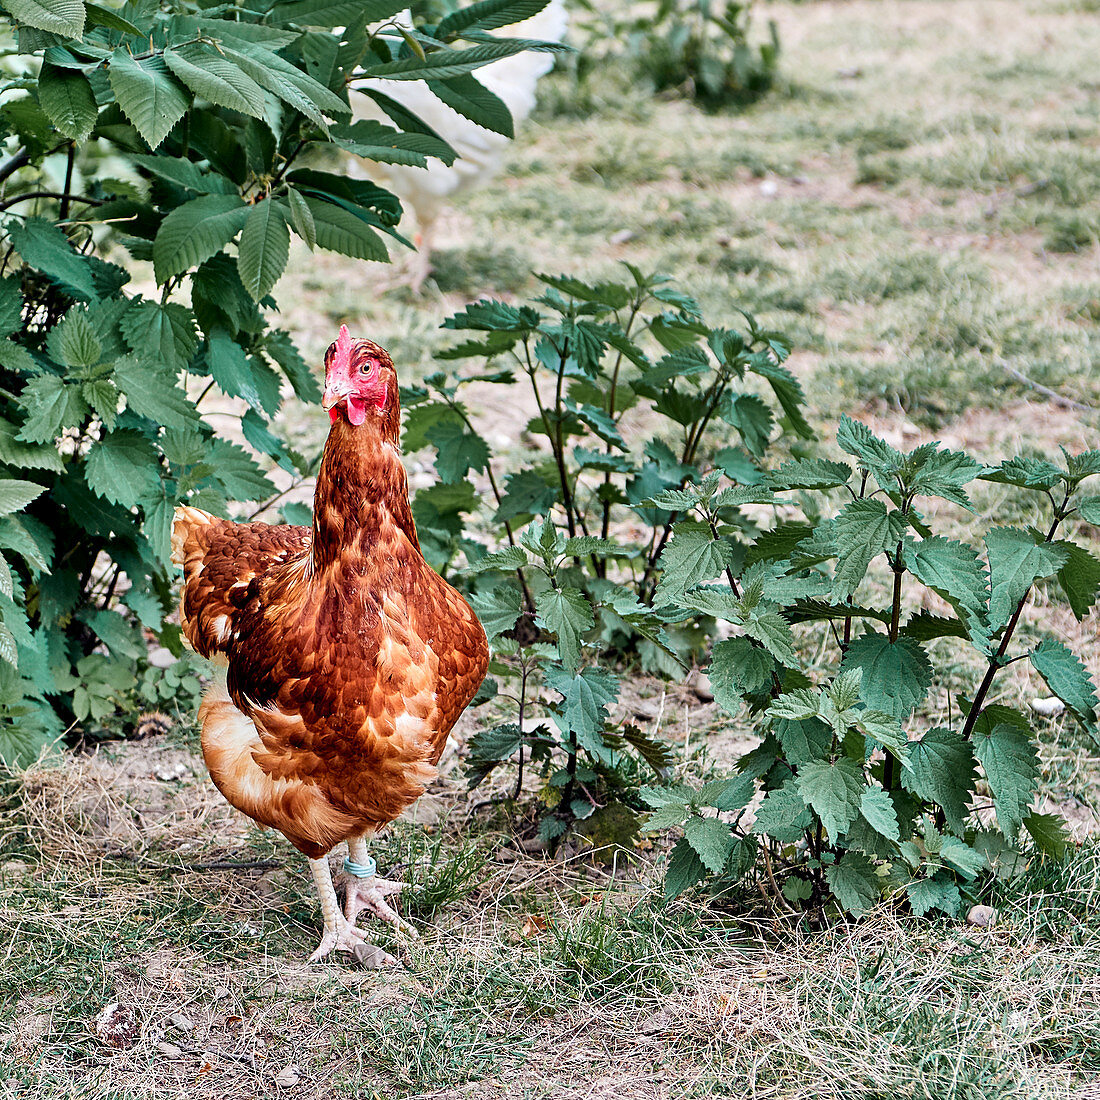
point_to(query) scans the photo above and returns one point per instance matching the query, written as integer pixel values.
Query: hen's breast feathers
(353, 675)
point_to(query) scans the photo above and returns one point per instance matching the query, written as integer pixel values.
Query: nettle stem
(997, 661)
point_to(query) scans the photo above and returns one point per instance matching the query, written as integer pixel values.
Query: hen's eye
(367, 367)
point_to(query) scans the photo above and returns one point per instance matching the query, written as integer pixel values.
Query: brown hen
(347, 658)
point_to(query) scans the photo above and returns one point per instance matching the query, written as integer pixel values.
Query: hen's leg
(369, 891)
(339, 933)
(421, 266)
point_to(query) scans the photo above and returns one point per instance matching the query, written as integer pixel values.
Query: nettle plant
(861, 796)
(192, 139)
(597, 365)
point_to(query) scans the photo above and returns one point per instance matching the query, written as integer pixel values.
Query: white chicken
(480, 152)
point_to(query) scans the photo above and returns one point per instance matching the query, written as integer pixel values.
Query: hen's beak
(335, 392)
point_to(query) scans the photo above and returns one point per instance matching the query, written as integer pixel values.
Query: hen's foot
(343, 936)
(370, 894)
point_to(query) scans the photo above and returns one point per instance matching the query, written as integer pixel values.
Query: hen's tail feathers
(187, 519)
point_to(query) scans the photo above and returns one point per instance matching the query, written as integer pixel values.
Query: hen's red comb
(343, 346)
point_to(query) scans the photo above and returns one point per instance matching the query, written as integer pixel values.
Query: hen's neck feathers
(362, 490)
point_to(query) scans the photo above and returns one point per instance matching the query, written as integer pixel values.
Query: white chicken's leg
(370, 893)
(339, 933)
(421, 266)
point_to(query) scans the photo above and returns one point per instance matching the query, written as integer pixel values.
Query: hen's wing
(223, 565)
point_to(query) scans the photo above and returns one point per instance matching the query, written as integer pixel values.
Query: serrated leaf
(773, 632)
(875, 455)
(878, 811)
(148, 94)
(240, 475)
(460, 449)
(122, 467)
(941, 769)
(969, 862)
(263, 250)
(567, 613)
(51, 405)
(926, 894)
(163, 332)
(471, 99)
(1026, 473)
(896, 675)
(738, 668)
(854, 882)
(942, 473)
(301, 217)
(953, 570)
(1079, 578)
(711, 839)
(586, 698)
(73, 340)
(68, 100)
(783, 815)
(803, 739)
(1066, 677)
(833, 791)
(499, 608)
(195, 231)
(809, 473)
(1015, 563)
(862, 531)
(511, 557)
(11, 306)
(685, 869)
(1011, 767)
(45, 247)
(15, 494)
(152, 391)
(64, 17)
(691, 557)
(214, 77)
(341, 231)
(1050, 833)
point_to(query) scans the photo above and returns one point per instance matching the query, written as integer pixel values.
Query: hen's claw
(370, 894)
(346, 937)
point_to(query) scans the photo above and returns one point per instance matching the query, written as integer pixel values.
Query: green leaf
(444, 64)
(114, 631)
(941, 769)
(100, 16)
(773, 632)
(511, 557)
(214, 77)
(809, 473)
(586, 699)
(15, 495)
(68, 99)
(875, 455)
(122, 467)
(152, 391)
(163, 332)
(51, 405)
(854, 882)
(488, 15)
(738, 668)
(474, 101)
(862, 531)
(150, 97)
(195, 231)
(330, 13)
(341, 231)
(711, 839)
(1012, 769)
(1066, 677)
(64, 17)
(11, 305)
(1050, 833)
(74, 342)
(969, 862)
(833, 791)
(878, 811)
(783, 815)
(803, 739)
(45, 247)
(1026, 473)
(685, 869)
(301, 217)
(691, 557)
(567, 613)
(264, 249)
(925, 894)
(1079, 578)
(1015, 563)
(240, 475)
(1089, 508)
(25, 456)
(499, 608)
(942, 473)
(460, 449)
(385, 145)
(953, 570)
(896, 675)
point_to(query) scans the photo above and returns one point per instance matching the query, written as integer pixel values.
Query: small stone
(1048, 708)
(699, 683)
(221, 993)
(162, 657)
(181, 1022)
(288, 1076)
(769, 189)
(370, 957)
(981, 916)
(622, 236)
(169, 1050)
(15, 867)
